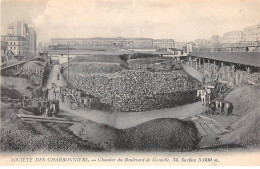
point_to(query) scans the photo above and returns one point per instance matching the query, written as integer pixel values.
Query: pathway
(194, 73)
(125, 119)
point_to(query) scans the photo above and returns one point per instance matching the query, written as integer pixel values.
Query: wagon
(75, 99)
(71, 101)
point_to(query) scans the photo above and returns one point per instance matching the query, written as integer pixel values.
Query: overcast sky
(182, 20)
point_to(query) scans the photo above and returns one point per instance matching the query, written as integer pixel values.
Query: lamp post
(68, 62)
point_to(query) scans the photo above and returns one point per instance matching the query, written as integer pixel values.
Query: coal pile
(161, 134)
(100, 59)
(36, 72)
(156, 64)
(245, 130)
(164, 134)
(95, 67)
(17, 136)
(138, 90)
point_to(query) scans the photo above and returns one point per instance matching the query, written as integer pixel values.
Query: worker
(199, 93)
(212, 107)
(57, 106)
(64, 91)
(228, 108)
(207, 104)
(39, 107)
(33, 93)
(79, 93)
(203, 97)
(42, 108)
(90, 101)
(203, 80)
(23, 101)
(208, 92)
(217, 105)
(53, 109)
(61, 70)
(47, 109)
(221, 106)
(46, 93)
(62, 97)
(54, 94)
(58, 76)
(85, 102)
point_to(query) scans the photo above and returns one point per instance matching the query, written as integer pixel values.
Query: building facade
(18, 28)
(251, 33)
(17, 44)
(7, 56)
(130, 42)
(134, 43)
(232, 37)
(179, 45)
(163, 43)
(32, 41)
(24, 35)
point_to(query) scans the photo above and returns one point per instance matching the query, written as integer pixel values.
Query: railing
(15, 64)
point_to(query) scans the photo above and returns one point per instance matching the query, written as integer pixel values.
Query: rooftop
(100, 38)
(244, 58)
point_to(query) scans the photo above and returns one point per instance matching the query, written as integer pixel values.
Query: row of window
(14, 49)
(13, 43)
(11, 48)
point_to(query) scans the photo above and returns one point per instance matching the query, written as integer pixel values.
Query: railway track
(28, 118)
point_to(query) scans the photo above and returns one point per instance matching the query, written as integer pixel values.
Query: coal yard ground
(136, 102)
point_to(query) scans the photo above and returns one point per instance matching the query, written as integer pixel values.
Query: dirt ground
(11, 86)
(243, 124)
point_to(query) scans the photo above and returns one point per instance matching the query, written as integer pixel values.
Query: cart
(71, 101)
(76, 101)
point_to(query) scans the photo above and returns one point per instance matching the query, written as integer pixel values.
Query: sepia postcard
(130, 83)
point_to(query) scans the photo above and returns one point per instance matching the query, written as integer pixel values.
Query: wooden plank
(213, 128)
(220, 127)
(203, 117)
(214, 125)
(39, 117)
(215, 122)
(200, 129)
(49, 121)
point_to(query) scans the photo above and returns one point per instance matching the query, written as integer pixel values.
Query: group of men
(214, 100)
(45, 106)
(49, 108)
(40, 93)
(83, 100)
(205, 95)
